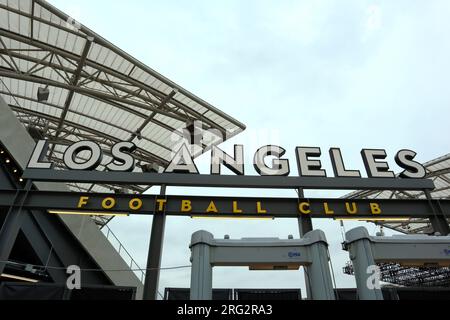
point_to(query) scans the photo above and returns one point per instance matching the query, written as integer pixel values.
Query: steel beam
(11, 227)
(105, 83)
(85, 129)
(86, 91)
(39, 19)
(228, 181)
(273, 207)
(118, 75)
(154, 113)
(81, 127)
(142, 66)
(113, 103)
(439, 218)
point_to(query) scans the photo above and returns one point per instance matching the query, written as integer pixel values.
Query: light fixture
(234, 217)
(372, 219)
(21, 180)
(43, 94)
(11, 276)
(8, 161)
(138, 135)
(36, 133)
(86, 213)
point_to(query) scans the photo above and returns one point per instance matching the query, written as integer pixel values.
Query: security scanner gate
(411, 250)
(261, 254)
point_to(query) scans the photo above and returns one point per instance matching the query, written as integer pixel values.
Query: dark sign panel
(182, 171)
(71, 202)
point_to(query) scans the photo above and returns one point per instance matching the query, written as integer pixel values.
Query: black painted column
(304, 226)
(438, 222)
(155, 253)
(11, 227)
(304, 221)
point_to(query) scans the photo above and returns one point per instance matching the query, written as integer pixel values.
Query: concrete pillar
(361, 255)
(201, 272)
(319, 271)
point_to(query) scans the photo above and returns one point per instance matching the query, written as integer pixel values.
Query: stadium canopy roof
(439, 171)
(95, 90)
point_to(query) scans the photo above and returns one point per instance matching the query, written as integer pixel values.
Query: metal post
(154, 254)
(362, 257)
(438, 222)
(304, 221)
(201, 272)
(319, 273)
(11, 228)
(305, 226)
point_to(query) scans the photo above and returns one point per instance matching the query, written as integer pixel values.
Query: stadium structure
(439, 171)
(62, 82)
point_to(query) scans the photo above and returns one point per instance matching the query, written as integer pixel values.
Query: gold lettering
(235, 208)
(303, 207)
(212, 208)
(186, 206)
(327, 208)
(375, 208)
(161, 203)
(135, 204)
(259, 209)
(108, 203)
(83, 201)
(353, 209)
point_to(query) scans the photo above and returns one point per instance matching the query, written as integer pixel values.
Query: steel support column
(305, 226)
(154, 253)
(438, 222)
(10, 229)
(304, 221)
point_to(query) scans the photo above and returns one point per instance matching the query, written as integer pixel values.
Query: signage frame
(227, 181)
(227, 207)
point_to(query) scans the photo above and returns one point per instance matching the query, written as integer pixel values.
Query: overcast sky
(349, 74)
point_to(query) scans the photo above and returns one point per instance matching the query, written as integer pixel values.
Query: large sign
(308, 161)
(193, 206)
(182, 171)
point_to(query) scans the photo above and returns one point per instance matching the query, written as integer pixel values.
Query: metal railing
(126, 256)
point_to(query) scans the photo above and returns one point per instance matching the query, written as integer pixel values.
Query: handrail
(123, 252)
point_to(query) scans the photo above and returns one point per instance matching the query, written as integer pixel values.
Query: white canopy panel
(439, 171)
(95, 90)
